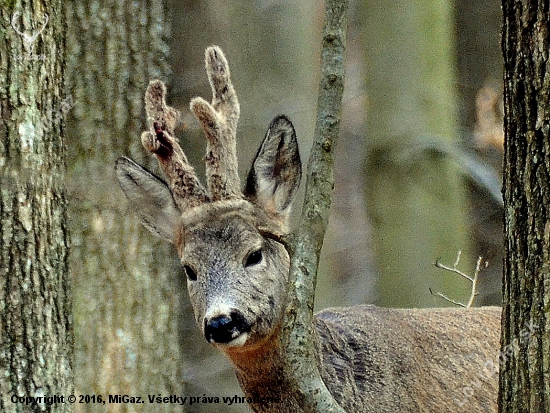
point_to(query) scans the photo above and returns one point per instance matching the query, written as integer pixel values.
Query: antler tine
(184, 184)
(219, 122)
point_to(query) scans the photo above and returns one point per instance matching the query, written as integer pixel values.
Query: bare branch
(447, 298)
(454, 267)
(480, 265)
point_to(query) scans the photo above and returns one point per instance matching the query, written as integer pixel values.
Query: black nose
(224, 328)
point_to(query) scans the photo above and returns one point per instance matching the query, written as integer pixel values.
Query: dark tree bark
(35, 301)
(525, 357)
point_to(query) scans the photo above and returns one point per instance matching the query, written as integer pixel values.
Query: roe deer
(371, 359)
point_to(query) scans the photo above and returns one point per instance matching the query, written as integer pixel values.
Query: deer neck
(260, 372)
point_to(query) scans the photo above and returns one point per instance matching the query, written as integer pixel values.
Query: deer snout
(224, 328)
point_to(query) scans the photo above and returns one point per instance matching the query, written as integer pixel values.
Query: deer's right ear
(150, 197)
(277, 169)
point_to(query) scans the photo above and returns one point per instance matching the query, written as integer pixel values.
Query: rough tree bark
(525, 341)
(127, 286)
(306, 241)
(35, 302)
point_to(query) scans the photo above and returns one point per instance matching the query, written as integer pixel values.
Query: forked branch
(480, 265)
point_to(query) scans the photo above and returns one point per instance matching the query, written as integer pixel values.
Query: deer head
(228, 240)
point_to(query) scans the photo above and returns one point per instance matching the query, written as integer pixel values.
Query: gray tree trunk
(127, 285)
(36, 343)
(525, 341)
(415, 196)
(305, 243)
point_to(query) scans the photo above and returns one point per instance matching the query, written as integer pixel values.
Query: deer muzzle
(230, 329)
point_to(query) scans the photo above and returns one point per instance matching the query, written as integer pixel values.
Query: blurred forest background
(417, 170)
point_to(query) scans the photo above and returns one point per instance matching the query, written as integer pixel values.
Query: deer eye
(255, 257)
(190, 272)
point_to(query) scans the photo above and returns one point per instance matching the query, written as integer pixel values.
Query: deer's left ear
(277, 170)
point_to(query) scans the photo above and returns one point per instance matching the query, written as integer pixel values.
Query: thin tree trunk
(128, 286)
(299, 341)
(415, 196)
(525, 341)
(35, 302)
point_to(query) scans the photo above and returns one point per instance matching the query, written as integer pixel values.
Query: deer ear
(150, 197)
(277, 170)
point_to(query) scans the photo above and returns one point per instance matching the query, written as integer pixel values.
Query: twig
(447, 298)
(480, 265)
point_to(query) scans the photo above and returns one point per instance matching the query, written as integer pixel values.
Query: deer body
(229, 242)
(387, 360)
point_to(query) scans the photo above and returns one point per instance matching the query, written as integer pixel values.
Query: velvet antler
(162, 119)
(219, 122)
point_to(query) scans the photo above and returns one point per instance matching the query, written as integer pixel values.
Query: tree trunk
(525, 341)
(128, 287)
(35, 302)
(305, 243)
(415, 197)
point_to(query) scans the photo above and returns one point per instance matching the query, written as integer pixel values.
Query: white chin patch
(239, 341)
